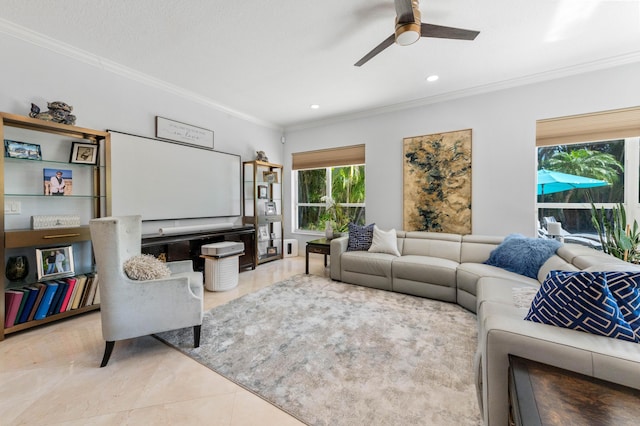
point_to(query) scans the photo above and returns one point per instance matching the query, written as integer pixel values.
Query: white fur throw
(145, 267)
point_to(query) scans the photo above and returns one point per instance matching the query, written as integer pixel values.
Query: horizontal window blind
(598, 126)
(331, 157)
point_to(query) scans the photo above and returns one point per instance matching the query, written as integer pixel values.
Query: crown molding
(476, 90)
(65, 49)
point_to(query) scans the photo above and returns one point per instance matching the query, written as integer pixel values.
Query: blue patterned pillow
(360, 237)
(523, 255)
(625, 287)
(580, 301)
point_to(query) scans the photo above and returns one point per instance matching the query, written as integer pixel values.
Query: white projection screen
(162, 180)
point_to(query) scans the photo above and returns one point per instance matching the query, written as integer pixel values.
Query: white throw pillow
(384, 242)
(145, 267)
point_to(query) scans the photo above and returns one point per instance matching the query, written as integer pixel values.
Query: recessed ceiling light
(432, 78)
(315, 106)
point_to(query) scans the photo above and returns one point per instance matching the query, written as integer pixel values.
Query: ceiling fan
(409, 29)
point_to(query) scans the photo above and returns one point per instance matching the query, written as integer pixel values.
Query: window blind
(598, 126)
(331, 157)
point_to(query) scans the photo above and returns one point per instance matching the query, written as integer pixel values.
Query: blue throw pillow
(625, 287)
(360, 237)
(580, 301)
(523, 255)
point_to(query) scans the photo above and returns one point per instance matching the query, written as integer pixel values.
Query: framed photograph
(272, 251)
(54, 262)
(270, 208)
(270, 177)
(26, 151)
(183, 133)
(263, 233)
(262, 191)
(57, 182)
(84, 153)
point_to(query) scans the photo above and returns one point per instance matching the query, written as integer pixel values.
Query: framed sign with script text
(183, 133)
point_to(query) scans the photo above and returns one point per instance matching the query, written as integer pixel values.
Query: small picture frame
(272, 251)
(84, 153)
(270, 177)
(270, 208)
(22, 150)
(54, 262)
(262, 191)
(58, 182)
(263, 233)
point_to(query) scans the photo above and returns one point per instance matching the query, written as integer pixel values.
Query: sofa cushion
(580, 301)
(425, 269)
(384, 242)
(360, 237)
(377, 264)
(468, 275)
(523, 255)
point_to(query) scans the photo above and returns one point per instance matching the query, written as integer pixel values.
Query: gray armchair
(130, 308)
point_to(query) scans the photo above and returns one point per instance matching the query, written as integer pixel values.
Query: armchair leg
(196, 335)
(107, 353)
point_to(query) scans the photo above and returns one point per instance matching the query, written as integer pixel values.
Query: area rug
(331, 353)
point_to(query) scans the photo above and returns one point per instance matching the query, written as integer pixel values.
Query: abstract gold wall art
(437, 182)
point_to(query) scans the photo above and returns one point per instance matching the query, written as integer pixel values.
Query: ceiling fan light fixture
(407, 34)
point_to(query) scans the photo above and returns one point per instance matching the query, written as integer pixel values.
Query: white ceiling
(270, 60)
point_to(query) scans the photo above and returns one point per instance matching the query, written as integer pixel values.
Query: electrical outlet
(12, 207)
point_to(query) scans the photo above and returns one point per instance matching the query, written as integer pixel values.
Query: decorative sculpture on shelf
(59, 112)
(261, 156)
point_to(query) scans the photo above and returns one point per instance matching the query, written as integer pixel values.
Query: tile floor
(51, 375)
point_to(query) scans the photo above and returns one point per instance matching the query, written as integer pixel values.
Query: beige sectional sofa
(450, 268)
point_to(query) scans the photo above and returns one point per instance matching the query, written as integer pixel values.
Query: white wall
(503, 148)
(106, 100)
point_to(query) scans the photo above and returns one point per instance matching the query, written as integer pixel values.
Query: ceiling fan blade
(438, 31)
(379, 48)
(404, 11)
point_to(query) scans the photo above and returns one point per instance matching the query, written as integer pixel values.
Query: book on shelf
(12, 300)
(71, 283)
(47, 299)
(80, 284)
(72, 295)
(25, 296)
(55, 303)
(90, 291)
(41, 289)
(28, 306)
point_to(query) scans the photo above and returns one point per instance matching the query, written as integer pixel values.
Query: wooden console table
(187, 246)
(540, 394)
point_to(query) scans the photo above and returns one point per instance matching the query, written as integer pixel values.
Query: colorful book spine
(71, 283)
(12, 300)
(57, 301)
(46, 300)
(25, 296)
(81, 284)
(28, 306)
(41, 289)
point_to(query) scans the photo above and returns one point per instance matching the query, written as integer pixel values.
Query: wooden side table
(540, 394)
(320, 246)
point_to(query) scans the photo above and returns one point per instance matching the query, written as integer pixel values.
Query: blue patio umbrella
(550, 182)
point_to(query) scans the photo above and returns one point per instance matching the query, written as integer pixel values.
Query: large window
(329, 185)
(331, 193)
(615, 159)
(603, 161)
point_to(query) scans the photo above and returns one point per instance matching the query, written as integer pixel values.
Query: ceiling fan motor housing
(409, 32)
